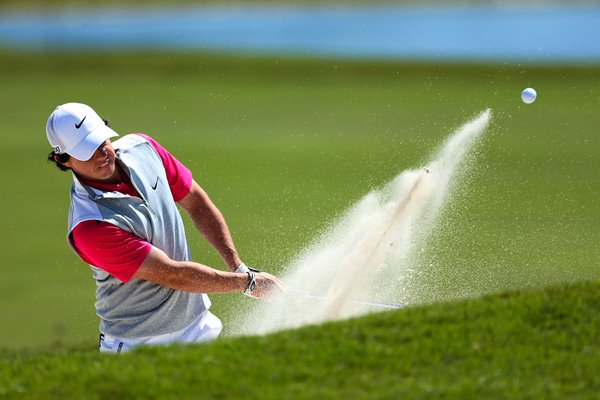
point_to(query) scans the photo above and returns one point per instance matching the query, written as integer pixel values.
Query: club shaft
(360, 302)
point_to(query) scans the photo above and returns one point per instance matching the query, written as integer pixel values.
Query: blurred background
(289, 112)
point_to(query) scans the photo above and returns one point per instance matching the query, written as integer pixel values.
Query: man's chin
(105, 173)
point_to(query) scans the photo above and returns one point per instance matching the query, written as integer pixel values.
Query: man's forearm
(211, 223)
(193, 277)
(197, 278)
(188, 276)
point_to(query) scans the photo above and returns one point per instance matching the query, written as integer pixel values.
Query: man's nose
(101, 151)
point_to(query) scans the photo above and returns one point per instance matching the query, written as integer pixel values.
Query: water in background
(368, 259)
(496, 32)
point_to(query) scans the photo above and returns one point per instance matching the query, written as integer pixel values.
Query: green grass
(283, 146)
(528, 345)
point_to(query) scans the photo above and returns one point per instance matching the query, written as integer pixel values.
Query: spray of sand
(366, 257)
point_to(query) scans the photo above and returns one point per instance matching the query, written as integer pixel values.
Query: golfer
(124, 222)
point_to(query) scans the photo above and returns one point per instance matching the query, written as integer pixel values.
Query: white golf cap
(77, 130)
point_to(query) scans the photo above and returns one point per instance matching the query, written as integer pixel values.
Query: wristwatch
(251, 285)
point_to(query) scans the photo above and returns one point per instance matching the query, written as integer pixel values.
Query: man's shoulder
(130, 140)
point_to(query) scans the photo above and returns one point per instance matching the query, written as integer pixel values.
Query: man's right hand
(268, 286)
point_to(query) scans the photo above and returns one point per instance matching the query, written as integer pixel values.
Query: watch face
(251, 284)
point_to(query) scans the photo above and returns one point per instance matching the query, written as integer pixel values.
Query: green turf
(284, 146)
(525, 345)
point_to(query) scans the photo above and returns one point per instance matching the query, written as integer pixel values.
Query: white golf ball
(528, 95)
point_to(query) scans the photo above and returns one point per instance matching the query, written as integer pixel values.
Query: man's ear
(66, 163)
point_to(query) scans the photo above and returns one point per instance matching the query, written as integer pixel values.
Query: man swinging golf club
(124, 222)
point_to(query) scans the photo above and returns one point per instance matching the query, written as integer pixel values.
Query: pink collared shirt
(116, 251)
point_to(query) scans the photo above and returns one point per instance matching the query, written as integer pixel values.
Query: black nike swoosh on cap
(79, 125)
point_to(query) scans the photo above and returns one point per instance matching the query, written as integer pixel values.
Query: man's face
(100, 167)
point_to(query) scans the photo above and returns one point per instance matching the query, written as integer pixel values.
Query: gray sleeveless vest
(138, 308)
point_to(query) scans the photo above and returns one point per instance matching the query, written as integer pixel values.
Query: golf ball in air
(528, 95)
